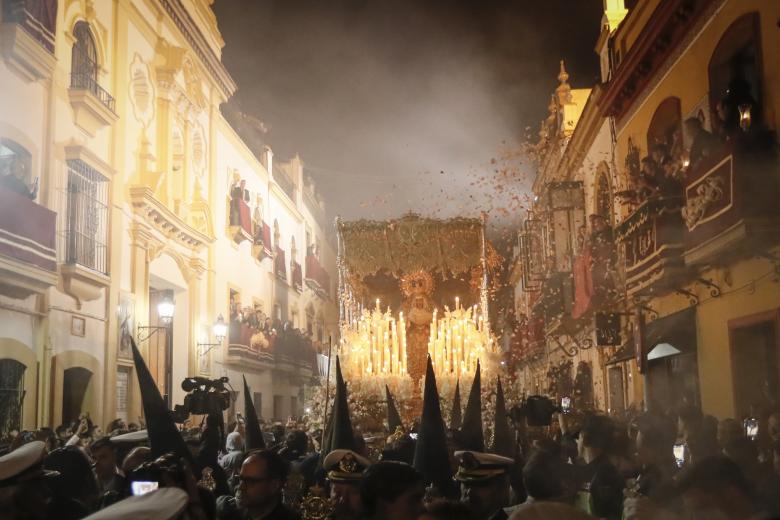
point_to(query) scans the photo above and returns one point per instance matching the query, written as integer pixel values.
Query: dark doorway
(75, 384)
(754, 352)
(617, 401)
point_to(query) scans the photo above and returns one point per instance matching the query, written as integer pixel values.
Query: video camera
(204, 397)
(537, 410)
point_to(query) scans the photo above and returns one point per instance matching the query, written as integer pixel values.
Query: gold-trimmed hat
(345, 466)
(23, 464)
(475, 466)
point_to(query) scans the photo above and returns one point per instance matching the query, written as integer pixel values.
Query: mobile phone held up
(565, 404)
(142, 487)
(679, 454)
(751, 428)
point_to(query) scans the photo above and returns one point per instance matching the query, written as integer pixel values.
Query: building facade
(688, 102)
(133, 208)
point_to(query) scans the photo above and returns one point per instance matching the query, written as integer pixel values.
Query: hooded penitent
(471, 433)
(253, 435)
(456, 417)
(431, 457)
(340, 425)
(503, 444)
(393, 417)
(164, 436)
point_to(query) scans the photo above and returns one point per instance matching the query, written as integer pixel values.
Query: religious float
(410, 288)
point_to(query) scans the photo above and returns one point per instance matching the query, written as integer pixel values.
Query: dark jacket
(228, 510)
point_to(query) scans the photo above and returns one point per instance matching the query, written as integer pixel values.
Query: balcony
(730, 204)
(297, 276)
(28, 260)
(240, 228)
(280, 265)
(285, 182)
(261, 246)
(93, 106)
(289, 350)
(654, 238)
(317, 278)
(27, 35)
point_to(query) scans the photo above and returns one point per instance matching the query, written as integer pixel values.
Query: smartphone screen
(751, 428)
(565, 404)
(142, 487)
(679, 454)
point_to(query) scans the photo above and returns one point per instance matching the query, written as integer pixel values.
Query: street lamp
(220, 330)
(165, 310)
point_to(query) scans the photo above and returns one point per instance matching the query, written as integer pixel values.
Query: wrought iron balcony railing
(86, 81)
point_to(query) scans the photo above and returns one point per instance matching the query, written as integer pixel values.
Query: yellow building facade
(125, 187)
(689, 97)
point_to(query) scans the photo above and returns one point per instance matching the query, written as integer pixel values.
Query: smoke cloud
(407, 105)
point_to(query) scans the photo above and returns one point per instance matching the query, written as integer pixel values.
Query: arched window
(84, 65)
(665, 128)
(603, 194)
(11, 396)
(735, 73)
(75, 388)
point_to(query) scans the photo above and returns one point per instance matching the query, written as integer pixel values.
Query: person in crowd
(24, 483)
(546, 478)
(599, 482)
(75, 490)
(484, 483)
(716, 489)
(441, 509)
(728, 431)
(344, 471)
(135, 458)
(391, 490)
(231, 462)
(109, 476)
(259, 494)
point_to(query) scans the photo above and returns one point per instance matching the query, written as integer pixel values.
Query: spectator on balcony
(738, 94)
(702, 142)
(13, 179)
(649, 179)
(238, 194)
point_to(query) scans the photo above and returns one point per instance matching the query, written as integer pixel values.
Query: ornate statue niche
(418, 306)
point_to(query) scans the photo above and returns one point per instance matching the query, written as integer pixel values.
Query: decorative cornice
(666, 28)
(165, 221)
(189, 29)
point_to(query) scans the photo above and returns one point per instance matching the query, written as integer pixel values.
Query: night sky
(400, 105)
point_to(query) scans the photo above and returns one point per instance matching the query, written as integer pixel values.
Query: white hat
(344, 465)
(162, 504)
(129, 437)
(478, 466)
(27, 456)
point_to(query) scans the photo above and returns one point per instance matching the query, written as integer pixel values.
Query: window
(665, 128)
(735, 73)
(87, 217)
(84, 65)
(15, 168)
(11, 396)
(603, 194)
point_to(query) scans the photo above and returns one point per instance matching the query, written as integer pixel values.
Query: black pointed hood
(393, 417)
(431, 456)
(456, 415)
(471, 433)
(253, 435)
(341, 436)
(503, 444)
(164, 436)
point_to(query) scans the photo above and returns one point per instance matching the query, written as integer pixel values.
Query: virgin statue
(417, 306)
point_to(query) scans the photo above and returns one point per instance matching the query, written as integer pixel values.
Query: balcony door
(160, 345)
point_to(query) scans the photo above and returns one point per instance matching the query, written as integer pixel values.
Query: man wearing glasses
(259, 494)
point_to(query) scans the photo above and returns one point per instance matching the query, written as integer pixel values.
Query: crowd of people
(576, 465)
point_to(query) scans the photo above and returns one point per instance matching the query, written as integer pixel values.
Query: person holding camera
(259, 494)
